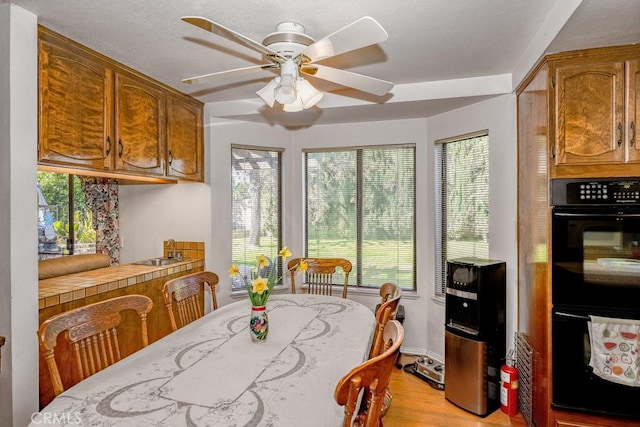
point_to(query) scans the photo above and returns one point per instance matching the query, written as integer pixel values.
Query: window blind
(360, 205)
(256, 180)
(462, 201)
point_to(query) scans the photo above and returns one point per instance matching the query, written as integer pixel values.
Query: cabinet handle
(619, 133)
(120, 148)
(170, 158)
(108, 145)
(633, 133)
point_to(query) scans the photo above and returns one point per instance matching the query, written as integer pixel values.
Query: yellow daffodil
(259, 285)
(259, 289)
(284, 253)
(234, 270)
(303, 266)
(262, 261)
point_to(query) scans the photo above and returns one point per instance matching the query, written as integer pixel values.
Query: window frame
(355, 278)
(280, 170)
(70, 247)
(440, 220)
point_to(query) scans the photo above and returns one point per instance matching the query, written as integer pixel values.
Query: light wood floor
(416, 403)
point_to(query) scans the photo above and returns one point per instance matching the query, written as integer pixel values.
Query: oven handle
(613, 215)
(572, 316)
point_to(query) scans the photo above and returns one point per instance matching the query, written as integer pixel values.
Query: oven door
(596, 256)
(575, 386)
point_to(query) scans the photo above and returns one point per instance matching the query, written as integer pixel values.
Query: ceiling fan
(293, 53)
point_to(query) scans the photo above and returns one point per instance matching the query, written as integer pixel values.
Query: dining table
(211, 373)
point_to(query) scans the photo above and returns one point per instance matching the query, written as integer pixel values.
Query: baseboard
(415, 351)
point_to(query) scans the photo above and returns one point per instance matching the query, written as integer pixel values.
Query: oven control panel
(616, 191)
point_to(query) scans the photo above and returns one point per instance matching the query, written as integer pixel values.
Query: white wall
(498, 115)
(151, 214)
(18, 224)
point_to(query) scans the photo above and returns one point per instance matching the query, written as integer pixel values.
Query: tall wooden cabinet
(97, 116)
(577, 117)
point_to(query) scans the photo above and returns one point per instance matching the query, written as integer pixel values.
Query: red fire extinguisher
(509, 387)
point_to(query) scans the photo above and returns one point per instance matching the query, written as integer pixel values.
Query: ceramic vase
(259, 323)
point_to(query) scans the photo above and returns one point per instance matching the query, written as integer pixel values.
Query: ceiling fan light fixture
(294, 97)
(268, 93)
(307, 93)
(286, 94)
(293, 107)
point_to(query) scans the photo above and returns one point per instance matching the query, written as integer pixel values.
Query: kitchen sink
(160, 261)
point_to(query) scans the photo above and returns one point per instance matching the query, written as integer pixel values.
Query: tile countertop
(61, 289)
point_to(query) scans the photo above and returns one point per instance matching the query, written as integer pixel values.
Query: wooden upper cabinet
(97, 116)
(75, 94)
(589, 112)
(596, 113)
(184, 139)
(140, 126)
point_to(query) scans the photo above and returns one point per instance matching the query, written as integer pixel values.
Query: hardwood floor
(416, 403)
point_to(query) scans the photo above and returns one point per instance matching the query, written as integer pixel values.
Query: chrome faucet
(172, 252)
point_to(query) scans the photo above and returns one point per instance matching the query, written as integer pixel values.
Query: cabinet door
(184, 139)
(140, 126)
(633, 111)
(589, 113)
(75, 104)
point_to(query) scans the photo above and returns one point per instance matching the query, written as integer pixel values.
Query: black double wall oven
(596, 295)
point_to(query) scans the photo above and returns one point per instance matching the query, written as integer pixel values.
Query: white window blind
(462, 201)
(360, 206)
(256, 207)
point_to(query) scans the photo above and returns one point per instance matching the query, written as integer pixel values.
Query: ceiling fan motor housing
(289, 39)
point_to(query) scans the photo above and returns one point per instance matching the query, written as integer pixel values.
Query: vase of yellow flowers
(259, 288)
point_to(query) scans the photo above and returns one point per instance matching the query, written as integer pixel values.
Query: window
(256, 207)
(59, 194)
(360, 206)
(462, 201)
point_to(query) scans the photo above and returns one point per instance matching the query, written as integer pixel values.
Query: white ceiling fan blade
(346, 78)
(228, 73)
(222, 31)
(361, 33)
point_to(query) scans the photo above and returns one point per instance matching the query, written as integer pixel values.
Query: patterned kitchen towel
(614, 349)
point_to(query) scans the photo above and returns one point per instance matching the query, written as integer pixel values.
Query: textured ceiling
(441, 54)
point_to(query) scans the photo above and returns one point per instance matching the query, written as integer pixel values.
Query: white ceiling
(441, 54)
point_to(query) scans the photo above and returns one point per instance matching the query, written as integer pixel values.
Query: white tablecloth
(210, 373)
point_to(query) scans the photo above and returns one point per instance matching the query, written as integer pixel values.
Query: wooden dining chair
(389, 291)
(320, 274)
(92, 332)
(390, 294)
(188, 292)
(373, 377)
